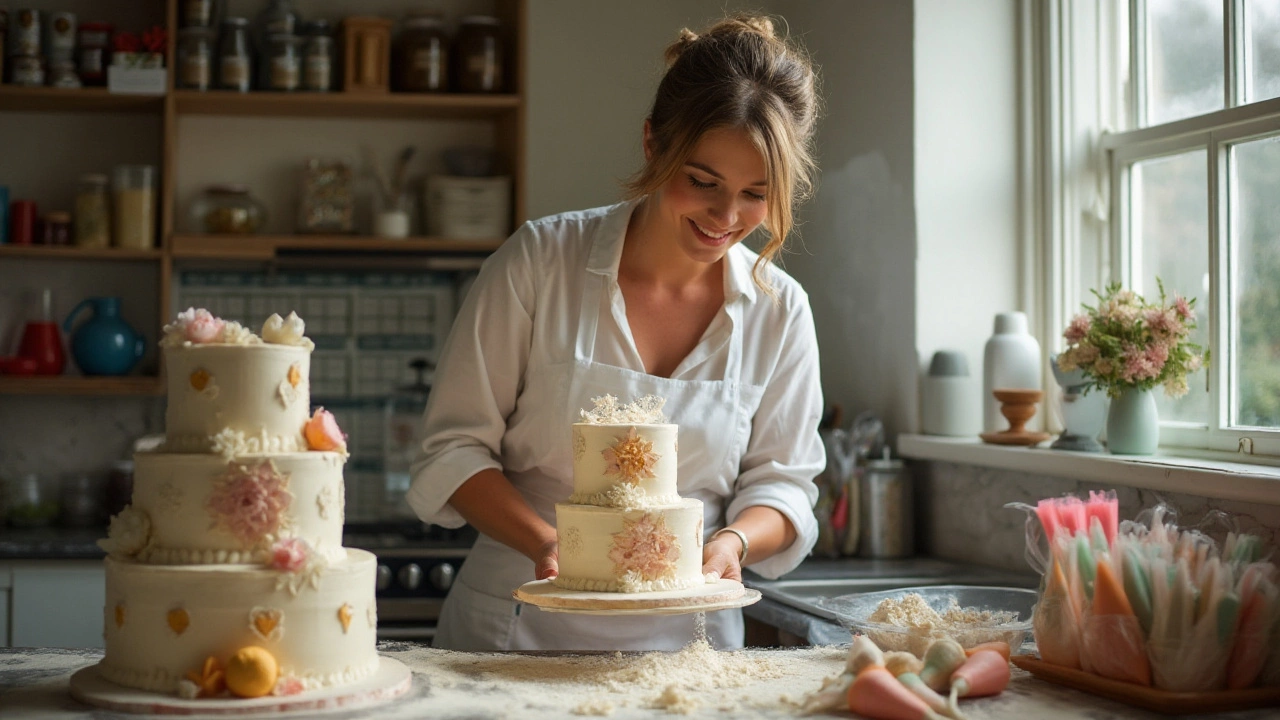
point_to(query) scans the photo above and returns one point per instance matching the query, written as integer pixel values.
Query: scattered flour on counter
(697, 680)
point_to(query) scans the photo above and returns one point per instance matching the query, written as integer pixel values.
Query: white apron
(480, 614)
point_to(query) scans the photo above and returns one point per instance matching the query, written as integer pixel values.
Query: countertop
(51, 543)
(447, 684)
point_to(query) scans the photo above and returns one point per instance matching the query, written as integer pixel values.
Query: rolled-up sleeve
(477, 381)
(785, 453)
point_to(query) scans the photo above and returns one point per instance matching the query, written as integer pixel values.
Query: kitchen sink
(818, 579)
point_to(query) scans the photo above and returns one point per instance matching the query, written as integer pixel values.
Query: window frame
(1071, 157)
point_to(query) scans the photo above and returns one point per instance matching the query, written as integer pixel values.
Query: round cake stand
(720, 595)
(391, 680)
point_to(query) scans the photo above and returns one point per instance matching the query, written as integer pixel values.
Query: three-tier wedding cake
(226, 576)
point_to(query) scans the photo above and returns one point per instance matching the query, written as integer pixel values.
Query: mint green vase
(1133, 424)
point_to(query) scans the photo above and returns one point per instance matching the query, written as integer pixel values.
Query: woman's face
(717, 198)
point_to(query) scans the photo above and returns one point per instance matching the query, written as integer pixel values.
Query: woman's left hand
(720, 556)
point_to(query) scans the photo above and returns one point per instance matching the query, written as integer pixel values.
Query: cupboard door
(58, 604)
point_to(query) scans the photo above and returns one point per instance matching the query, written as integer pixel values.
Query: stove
(417, 564)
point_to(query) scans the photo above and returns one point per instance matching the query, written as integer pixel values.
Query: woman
(652, 296)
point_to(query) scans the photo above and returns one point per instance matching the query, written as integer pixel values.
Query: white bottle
(1011, 360)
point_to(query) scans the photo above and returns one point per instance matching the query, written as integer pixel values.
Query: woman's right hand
(547, 564)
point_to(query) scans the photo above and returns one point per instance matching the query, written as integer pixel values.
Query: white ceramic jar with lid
(949, 397)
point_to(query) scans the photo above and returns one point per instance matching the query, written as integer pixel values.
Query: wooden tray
(1149, 698)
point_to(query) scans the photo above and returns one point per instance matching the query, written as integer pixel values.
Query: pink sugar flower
(645, 546)
(202, 326)
(249, 501)
(290, 554)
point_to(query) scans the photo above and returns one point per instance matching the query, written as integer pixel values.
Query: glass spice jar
(317, 57)
(57, 228)
(478, 54)
(422, 56)
(195, 58)
(235, 63)
(228, 209)
(92, 213)
(93, 52)
(284, 66)
(200, 13)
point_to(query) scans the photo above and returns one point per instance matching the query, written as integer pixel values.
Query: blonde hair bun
(677, 48)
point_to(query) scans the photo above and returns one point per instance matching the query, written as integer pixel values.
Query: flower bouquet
(1125, 342)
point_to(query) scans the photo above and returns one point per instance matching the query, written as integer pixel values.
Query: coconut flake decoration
(286, 331)
(128, 534)
(646, 548)
(644, 411)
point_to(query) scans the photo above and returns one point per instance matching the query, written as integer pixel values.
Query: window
(1167, 113)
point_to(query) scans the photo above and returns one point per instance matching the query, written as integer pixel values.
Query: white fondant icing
(182, 534)
(602, 529)
(144, 653)
(593, 481)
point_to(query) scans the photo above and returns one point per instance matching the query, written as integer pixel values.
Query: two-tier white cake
(226, 576)
(625, 528)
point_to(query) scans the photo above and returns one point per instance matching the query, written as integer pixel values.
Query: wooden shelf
(266, 247)
(14, 98)
(57, 252)
(388, 106)
(76, 385)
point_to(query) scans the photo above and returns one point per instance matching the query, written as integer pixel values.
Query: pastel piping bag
(1137, 586)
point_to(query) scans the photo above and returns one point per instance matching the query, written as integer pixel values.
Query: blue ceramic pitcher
(105, 344)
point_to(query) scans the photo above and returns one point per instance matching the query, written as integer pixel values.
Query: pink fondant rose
(203, 327)
(290, 554)
(287, 685)
(322, 432)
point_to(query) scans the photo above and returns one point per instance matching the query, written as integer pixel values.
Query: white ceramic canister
(949, 397)
(1011, 360)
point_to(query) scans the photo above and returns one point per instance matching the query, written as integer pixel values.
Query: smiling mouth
(709, 236)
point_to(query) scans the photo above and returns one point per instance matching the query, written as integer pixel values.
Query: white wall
(966, 174)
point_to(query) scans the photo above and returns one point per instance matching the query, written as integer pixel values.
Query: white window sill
(1206, 477)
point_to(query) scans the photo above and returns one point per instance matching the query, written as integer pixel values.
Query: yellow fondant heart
(120, 615)
(178, 620)
(295, 374)
(200, 379)
(344, 615)
(265, 622)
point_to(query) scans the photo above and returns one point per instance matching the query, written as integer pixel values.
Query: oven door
(412, 585)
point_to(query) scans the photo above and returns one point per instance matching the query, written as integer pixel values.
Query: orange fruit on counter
(251, 672)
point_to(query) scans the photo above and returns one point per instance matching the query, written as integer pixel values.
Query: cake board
(391, 680)
(720, 595)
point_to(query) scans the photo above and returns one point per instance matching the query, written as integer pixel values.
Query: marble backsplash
(54, 437)
(960, 511)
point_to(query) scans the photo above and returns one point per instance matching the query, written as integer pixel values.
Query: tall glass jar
(422, 55)
(283, 63)
(134, 187)
(195, 58)
(200, 13)
(92, 216)
(235, 60)
(279, 17)
(318, 57)
(479, 55)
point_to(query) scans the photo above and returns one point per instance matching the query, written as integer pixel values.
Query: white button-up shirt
(522, 316)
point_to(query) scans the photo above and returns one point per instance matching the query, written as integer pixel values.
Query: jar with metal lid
(24, 34)
(93, 52)
(228, 209)
(317, 56)
(885, 509)
(57, 228)
(422, 63)
(195, 58)
(200, 13)
(92, 215)
(283, 63)
(478, 55)
(235, 62)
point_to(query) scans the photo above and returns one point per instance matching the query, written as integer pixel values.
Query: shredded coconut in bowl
(921, 624)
